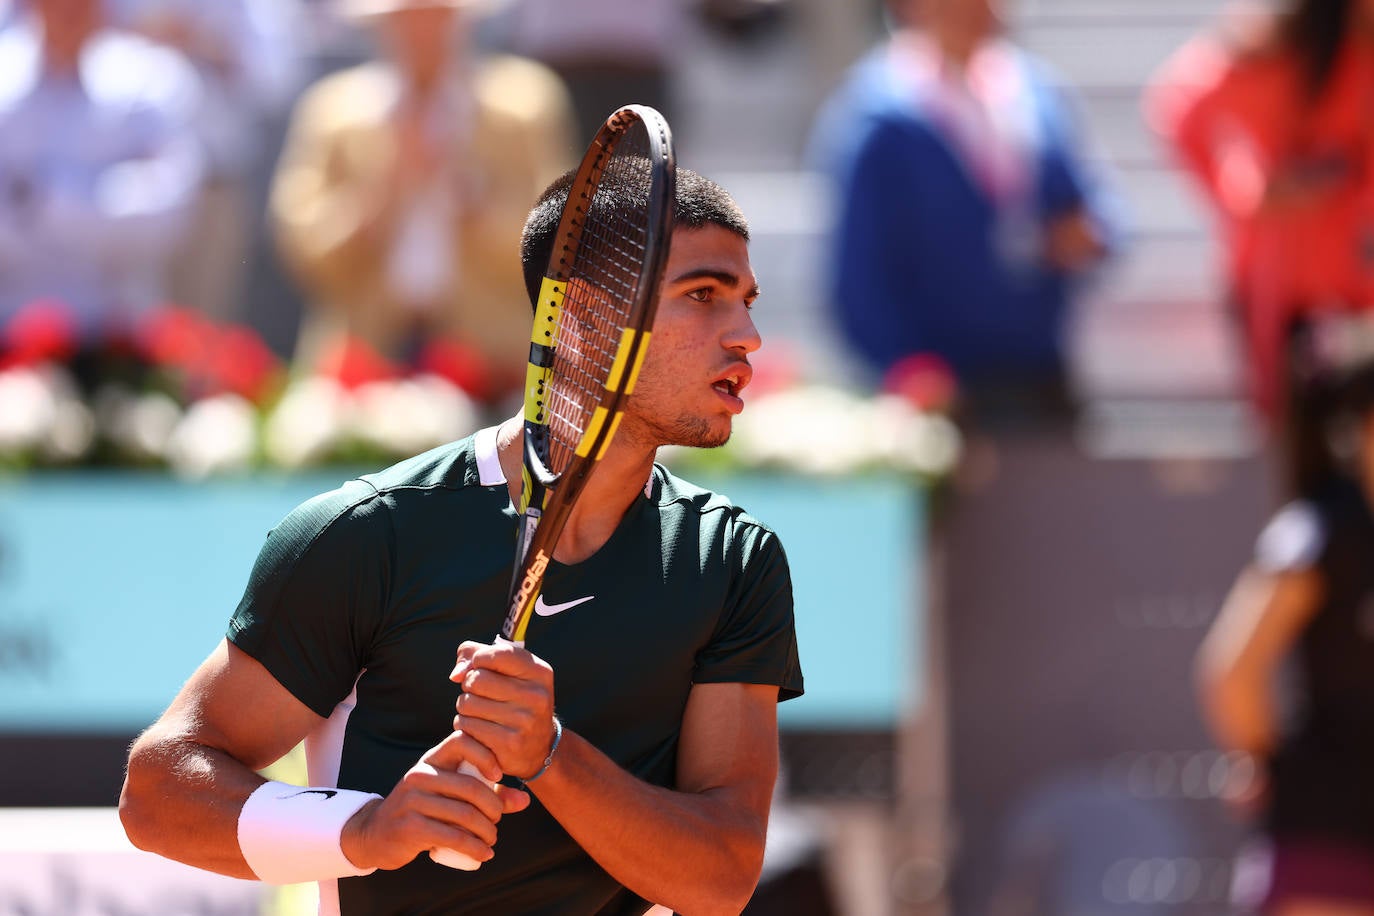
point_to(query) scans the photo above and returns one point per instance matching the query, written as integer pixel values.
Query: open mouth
(729, 385)
(734, 379)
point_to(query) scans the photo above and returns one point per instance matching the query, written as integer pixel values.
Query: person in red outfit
(1274, 115)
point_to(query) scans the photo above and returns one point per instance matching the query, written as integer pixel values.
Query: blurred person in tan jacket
(404, 185)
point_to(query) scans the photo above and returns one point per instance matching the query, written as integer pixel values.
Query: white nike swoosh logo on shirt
(544, 609)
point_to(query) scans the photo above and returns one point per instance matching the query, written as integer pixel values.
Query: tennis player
(637, 731)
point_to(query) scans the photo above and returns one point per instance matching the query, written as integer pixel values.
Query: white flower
(138, 425)
(408, 416)
(307, 424)
(148, 423)
(217, 435)
(933, 446)
(824, 430)
(72, 431)
(814, 430)
(28, 409)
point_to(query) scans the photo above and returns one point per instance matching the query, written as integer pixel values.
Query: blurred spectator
(1272, 115)
(610, 53)
(965, 210)
(404, 185)
(1307, 597)
(248, 56)
(99, 164)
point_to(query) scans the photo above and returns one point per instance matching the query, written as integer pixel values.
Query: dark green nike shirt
(361, 596)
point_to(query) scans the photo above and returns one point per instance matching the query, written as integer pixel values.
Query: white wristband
(289, 834)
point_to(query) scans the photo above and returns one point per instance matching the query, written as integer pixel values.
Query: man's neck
(955, 45)
(423, 84)
(621, 476)
(62, 56)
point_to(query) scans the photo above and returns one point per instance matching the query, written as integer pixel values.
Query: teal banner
(114, 586)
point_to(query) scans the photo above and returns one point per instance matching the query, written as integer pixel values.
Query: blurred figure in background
(404, 186)
(609, 53)
(99, 165)
(1308, 597)
(965, 209)
(1272, 116)
(248, 56)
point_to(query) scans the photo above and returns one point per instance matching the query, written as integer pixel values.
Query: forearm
(182, 800)
(696, 852)
(1239, 661)
(1240, 713)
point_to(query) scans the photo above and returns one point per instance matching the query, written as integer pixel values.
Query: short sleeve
(1292, 541)
(317, 595)
(756, 640)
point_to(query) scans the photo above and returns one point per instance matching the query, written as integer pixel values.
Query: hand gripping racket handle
(452, 857)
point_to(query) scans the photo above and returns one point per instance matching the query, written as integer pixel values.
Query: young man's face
(72, 17)
(697, 365)
(975, 17)
(421, 39)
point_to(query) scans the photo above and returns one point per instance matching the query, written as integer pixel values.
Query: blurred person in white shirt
(249, 56)
(99, 167)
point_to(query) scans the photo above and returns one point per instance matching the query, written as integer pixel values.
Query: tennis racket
(591, 331)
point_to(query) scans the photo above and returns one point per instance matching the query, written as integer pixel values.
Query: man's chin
(703, 435)
(714, 441)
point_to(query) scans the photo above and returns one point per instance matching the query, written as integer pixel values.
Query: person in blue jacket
(965, 209)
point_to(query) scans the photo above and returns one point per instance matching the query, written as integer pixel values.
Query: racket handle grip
(452, 857)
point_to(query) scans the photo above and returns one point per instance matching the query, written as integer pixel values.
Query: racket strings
(603, 281)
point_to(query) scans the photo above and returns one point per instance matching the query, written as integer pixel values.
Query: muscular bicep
(729, 744)
(190, 773)
(233, 704)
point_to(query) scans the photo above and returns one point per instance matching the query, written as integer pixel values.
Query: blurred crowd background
(1086, 278)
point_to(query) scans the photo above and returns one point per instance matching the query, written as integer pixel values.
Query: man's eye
(700, 295)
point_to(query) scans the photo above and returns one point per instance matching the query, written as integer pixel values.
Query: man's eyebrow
(723, 277)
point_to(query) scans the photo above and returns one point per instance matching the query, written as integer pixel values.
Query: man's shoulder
(497, 71)
(354, 96)
(121, 67)
(117, 68)
(452, 466)
(672, 491)
(19, 57)
(363, 499)
(521, 92)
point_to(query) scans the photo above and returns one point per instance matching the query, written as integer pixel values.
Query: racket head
(591, 329)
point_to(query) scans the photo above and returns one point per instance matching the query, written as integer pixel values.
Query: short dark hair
(699, 202)
(1324, 389)
(1315, 30)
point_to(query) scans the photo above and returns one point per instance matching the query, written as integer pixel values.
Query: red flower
(44, 330)
(925, 380)
(460, 364)
(242, 363)
(353, 363)
(177, 338)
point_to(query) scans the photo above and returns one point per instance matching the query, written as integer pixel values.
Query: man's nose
(742, 334)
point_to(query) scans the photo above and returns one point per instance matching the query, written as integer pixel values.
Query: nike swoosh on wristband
(543, 609)
(327, 793)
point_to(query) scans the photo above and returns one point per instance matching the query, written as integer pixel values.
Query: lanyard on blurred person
(987, 114)
(984, 110)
